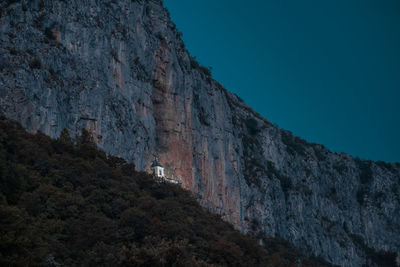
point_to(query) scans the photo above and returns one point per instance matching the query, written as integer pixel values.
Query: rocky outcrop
(120, 70)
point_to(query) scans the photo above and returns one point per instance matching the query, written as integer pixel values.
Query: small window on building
(160, 173)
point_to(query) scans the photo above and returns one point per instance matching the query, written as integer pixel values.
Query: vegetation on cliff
(66, 203)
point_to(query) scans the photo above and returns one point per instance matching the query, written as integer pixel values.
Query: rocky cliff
(120, 69)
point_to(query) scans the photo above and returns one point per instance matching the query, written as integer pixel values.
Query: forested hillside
(66, 204)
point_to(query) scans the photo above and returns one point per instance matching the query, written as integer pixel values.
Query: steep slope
(120, 70)
(71, 205)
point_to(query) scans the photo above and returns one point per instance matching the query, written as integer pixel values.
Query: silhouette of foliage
(293, 144)
(35, 63)
(366, 174)
(49, 34)
(375, 258)
(196, 65)
(340, 167)
(252, 126)
(70, 204)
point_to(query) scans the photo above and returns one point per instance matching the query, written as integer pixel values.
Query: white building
(158, 171)
(157, 168)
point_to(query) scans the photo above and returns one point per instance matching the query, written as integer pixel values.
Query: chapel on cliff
(158, 172)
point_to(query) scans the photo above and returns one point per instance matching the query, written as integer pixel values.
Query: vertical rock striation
(120, 70)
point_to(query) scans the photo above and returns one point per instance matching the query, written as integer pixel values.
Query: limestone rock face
(120, 70)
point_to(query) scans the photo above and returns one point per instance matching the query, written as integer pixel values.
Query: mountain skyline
(325, 71)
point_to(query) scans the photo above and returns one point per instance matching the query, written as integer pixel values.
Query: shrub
(319, 154)
(293, 144)
(203, 118)
(10, 2)
(35, 63)
(385, 165)
(379, 258)
(206, 70)
(366, 174)
(195, 65)
(340, 167)
(286, 183)
(252, 126)
(49, 34)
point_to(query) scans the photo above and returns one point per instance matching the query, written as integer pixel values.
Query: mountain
(120, 70)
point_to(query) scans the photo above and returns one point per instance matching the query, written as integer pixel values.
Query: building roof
(156, 163)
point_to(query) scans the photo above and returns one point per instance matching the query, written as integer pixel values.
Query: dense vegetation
(70, 204)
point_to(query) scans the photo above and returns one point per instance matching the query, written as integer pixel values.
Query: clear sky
(329, 71)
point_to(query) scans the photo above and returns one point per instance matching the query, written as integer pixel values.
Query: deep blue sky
(329, 71)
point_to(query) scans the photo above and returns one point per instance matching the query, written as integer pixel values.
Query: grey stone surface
(120, 70)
